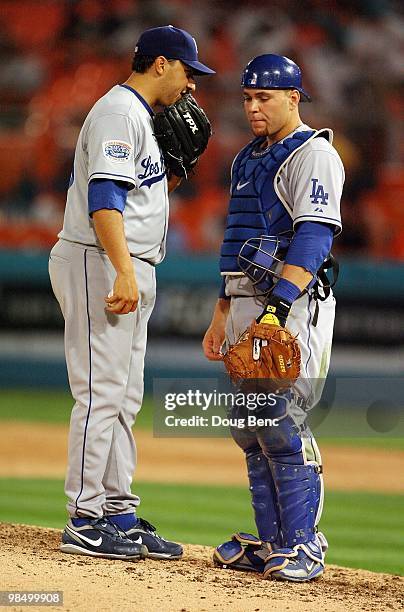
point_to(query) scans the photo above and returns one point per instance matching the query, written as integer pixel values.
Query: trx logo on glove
(191, 122)
(182, 131)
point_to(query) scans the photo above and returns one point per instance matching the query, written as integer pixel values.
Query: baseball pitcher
(102, 271)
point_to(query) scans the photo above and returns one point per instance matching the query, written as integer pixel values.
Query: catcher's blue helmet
(274, 72)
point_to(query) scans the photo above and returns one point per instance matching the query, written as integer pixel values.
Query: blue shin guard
(263, 497)
(245, 551)
(299, 492)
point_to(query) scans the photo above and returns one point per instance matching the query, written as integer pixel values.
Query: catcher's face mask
(261, 259)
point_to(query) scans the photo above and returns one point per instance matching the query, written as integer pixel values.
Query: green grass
(363, 529)
(55, 406)
(34, 405)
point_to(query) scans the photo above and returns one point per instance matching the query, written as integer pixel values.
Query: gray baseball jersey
(105, 352)
(117, 142)
(310, 182)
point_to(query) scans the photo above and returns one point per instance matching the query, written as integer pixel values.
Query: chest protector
(255, 209)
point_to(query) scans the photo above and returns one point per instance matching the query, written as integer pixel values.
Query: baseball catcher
(275, 314)
(182, 131)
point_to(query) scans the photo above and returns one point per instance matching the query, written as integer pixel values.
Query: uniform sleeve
(316, 187)
(106, 194)
(111, 143)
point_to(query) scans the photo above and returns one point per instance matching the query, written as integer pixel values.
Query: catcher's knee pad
(263, 496)
(243, 437)
(299, 495)
(243, 552)
(282, 442)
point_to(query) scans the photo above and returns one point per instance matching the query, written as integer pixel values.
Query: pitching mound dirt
(30, 560)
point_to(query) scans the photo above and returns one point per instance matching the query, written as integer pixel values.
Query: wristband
(275, 312)
(286, 290)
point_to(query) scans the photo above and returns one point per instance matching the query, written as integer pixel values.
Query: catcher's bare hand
(212, 342)
(215, 334)
(125, 294)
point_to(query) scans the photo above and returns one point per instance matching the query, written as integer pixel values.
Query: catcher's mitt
(265, 351)
(182, 131)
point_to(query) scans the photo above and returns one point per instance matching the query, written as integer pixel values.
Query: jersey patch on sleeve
(318, 195)
(117, 151)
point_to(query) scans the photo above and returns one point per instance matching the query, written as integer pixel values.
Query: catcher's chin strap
(322, 291)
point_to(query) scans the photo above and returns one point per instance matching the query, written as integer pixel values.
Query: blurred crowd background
(58, 56)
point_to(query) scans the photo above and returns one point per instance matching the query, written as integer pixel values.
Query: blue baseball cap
(173, 43)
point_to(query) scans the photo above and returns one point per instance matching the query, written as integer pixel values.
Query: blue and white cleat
(301, 563)
(100, 538)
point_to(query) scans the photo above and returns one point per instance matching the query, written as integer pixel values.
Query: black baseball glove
(182, 131)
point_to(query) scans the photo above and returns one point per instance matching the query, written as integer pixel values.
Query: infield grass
(34, 405)
(31, 405)
(363, 529)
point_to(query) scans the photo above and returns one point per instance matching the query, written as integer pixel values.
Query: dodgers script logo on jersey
(153, 171)
(117, 150)
(318, 195)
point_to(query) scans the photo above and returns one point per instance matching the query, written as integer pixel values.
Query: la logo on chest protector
(191, 122)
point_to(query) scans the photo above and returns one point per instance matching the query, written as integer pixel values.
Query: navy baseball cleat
(100, 538)
(144, 533)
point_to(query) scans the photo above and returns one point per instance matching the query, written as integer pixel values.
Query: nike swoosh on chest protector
(241, 185)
